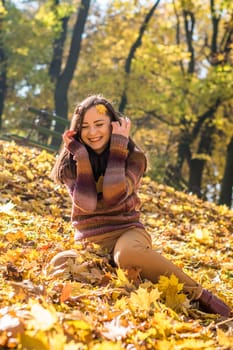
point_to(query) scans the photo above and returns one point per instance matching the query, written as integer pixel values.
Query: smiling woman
(102, 167)
(96, 129)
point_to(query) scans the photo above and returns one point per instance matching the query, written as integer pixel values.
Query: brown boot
(211, 304)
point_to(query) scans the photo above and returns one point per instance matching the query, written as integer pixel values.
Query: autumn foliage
(102, 307)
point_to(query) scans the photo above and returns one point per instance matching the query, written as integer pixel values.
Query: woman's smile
(95, 139)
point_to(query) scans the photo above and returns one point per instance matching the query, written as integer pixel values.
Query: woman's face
(96, 128)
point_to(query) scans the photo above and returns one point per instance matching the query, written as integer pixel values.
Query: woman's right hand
(68, 137)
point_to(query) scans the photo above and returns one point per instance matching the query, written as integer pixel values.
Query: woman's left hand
(122, 127)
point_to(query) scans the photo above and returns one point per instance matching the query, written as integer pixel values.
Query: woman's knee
(131, 248)
(129, 256)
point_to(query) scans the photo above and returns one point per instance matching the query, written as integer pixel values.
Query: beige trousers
(133, 248)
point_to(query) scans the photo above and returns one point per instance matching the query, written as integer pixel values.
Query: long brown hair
(65, 165)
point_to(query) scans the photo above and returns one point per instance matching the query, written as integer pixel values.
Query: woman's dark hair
(65, 165)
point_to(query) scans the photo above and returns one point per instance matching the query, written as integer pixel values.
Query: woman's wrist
(119, 144)
(74, 146)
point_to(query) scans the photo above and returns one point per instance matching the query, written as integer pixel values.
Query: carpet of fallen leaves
(103, 307)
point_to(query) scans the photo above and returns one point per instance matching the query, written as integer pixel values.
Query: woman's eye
(96, 125)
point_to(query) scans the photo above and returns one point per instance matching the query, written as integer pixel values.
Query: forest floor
(104, 308)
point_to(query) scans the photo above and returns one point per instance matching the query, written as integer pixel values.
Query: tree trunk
(65, 78)
(131, 55)
(195, 176)
(187, 137)
(189, 24)
(3, 70)
(197, 164)
(58, 47)
(226, 193)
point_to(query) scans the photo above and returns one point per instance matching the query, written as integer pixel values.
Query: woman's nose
(92, 130)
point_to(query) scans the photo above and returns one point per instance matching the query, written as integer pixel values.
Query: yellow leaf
(171, 292)
(172, 282)
(15, 236)
(34, 341)
(122, 280)
(80, 324)
(165, 345)
(162, 324)
(57, 341)
(224, 339)
(144, 300)
(29, 175)
(203, 236)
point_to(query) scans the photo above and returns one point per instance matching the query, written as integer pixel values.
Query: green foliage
(27, 43)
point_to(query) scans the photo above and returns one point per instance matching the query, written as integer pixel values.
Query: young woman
(102, 168)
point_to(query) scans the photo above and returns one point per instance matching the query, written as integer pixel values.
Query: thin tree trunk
(132, 52)
(178, 34)
(197, 164)
(65, 78)
(189, 24)
(58, 47)
(226, 193)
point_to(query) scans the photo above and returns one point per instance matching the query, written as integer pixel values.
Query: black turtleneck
(98, 161)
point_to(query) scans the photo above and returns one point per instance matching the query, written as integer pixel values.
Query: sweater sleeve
(83, 193)
(123, 171)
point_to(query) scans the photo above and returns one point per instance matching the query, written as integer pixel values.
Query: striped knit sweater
(111, 203)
